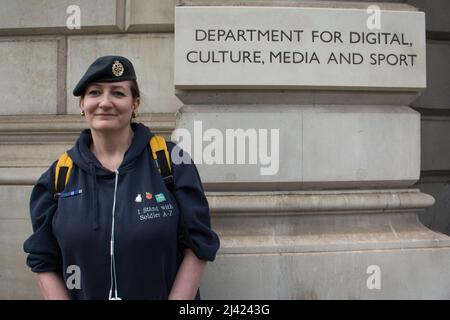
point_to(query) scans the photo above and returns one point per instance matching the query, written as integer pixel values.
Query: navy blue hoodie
(75, 230)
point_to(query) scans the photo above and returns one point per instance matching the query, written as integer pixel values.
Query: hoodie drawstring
(113, 260)
(95, 224)
(113, 288)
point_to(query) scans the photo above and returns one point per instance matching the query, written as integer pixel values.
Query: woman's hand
(52, 286)
(188, 277)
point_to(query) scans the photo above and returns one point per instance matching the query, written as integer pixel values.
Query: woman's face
(108, 105)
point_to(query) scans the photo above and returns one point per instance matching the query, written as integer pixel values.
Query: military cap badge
(117, 68)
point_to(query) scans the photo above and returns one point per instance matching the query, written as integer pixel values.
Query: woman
(117, 231)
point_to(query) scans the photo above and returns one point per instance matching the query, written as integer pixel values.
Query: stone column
(321, 205)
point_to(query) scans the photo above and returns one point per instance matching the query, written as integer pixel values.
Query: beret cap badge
(117, 68)
(106, 69)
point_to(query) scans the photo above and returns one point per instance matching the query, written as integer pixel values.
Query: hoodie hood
(86, 160)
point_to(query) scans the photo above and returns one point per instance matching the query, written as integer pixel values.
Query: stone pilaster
(338, 219)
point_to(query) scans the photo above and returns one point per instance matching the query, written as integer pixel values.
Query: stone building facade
(280, 240)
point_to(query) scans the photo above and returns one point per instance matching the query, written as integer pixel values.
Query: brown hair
(135, 93)
(134, 88)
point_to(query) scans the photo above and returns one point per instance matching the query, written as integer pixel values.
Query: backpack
(160, 155)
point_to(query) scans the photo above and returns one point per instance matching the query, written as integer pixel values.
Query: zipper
(113, 261)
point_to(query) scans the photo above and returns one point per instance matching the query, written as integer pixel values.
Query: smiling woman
(109, 99)
(96, 222)
(106, 106)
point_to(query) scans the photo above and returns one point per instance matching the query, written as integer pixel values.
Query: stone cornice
(49, 129)
(384, 5)
(322, 221)
(318, 202)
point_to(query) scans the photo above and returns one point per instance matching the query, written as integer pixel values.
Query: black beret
(106, 69)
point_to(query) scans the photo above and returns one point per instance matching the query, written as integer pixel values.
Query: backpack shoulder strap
(160, 154)
(62, 174)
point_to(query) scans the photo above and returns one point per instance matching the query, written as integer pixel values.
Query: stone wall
(434, 106)
(39, 118)
(41, 60)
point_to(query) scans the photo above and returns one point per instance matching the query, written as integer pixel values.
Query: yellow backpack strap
(160, 155)
(62, 174)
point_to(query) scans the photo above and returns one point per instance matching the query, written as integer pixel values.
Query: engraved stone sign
(291, 48)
